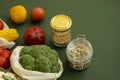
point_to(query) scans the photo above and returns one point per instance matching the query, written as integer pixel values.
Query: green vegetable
(55, 68)
(27, 61)
(5, 77)
(53, 56)
(39, 58)
(38, 50)
(2, 69)
(26, 50)
(44, 64)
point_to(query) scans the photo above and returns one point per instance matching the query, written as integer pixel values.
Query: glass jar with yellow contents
(61, 29)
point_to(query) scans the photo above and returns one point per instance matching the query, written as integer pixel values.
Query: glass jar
(79, 53)
(61, 30)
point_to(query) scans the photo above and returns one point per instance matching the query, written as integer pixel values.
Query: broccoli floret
(53, 56)
(25, 50)
(43, 64)
(38, 50)
(55, 68)
(27, 62)
(44, 47)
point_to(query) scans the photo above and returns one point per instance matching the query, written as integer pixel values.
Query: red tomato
(37, 14)
(6, 53)
(4, 62)
(1, 25)
(34, 35)
(2, 49)
(4, 58)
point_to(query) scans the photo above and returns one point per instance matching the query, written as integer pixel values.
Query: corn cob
(9, 34)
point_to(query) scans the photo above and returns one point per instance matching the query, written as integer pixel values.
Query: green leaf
(2, 69)
(7, 77)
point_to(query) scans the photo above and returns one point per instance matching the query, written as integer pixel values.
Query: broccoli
(25, 50)
(44, 47)
(39, 58)
(53, 56)
(38, 50)
(27, 62)
(55, 68)
(44, 64)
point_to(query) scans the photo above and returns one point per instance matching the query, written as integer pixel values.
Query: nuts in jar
(61, 32)
(61, 38)
(79, 53)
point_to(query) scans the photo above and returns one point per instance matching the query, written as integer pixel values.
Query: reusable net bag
(4, 42)
(31, 75)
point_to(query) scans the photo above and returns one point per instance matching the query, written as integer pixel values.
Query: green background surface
(99, 20)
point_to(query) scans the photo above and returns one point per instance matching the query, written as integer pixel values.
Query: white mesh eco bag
(4, 42)
(31, 75)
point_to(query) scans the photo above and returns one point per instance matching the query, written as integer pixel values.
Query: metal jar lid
(60, 22)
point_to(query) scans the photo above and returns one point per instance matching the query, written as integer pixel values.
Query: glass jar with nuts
(79, 53)
(61, 32)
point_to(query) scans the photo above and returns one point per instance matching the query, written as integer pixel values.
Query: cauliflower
(39, 58)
